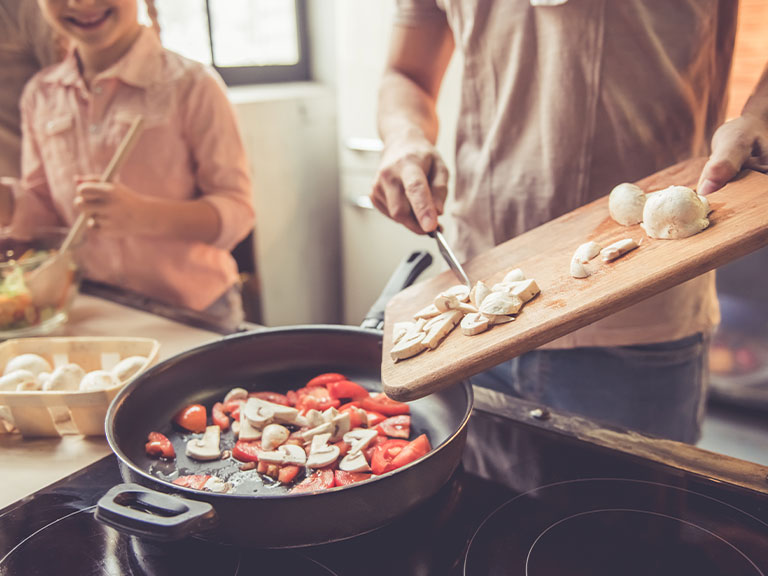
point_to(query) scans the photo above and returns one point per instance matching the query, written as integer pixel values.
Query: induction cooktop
(537, 494)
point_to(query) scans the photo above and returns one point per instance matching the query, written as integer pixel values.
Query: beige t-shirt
(560, 103)
(26, 46)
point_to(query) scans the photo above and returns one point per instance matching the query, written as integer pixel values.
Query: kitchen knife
(450, 257)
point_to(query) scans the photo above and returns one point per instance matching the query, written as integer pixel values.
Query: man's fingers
(440, 178)
(731, 148)
(398, 207)
(419, 196)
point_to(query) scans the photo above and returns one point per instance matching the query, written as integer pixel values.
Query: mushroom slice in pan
(260, 412)
(207, 447)
(236, 394)
(324, 428)
(246, 430)
(273, 436)
(359, 439)
(354, 462)
(322, 454)
(285, 454)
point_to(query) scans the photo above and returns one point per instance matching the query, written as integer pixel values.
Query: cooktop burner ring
(599, 525)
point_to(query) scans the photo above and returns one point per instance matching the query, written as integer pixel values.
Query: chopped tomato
(342, 478)
(292, 397)
(246, 450)
(384, 405)
(287, 473)
(377, 441)
(396, 426)
(159, 445)
(195, 481)
(273, 397)
(319, 480)
(324, 379)
(233, 408)
(357, 416)
(347, 389)
(219, 417)
(192, 418)
(415, 449)
(268, 469)
(316, 398)
(343, 448)
(374, 418)
(384, 454)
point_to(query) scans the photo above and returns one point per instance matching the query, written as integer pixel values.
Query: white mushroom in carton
(98, 380)
(129, 367)
(32, 362)
(18, 378)
(66, 377)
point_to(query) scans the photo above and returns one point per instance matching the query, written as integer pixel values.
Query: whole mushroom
(675, 212)
(625, 203)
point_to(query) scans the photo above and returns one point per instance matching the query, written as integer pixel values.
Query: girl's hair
(152, 13)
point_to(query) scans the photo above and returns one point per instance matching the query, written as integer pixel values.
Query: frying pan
(256, 514)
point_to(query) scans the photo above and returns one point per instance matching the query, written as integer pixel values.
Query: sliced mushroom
(324, 428)
(260, 412)
(28, 386)
(359, 439)
(273, 436)
(236, 394)
(408, 346)
(500, 303)
(479, 291)
(460, 291)
(314, 418)
(428, 312)
(207, 447)
(354, 462)
(586, 252)
(451, 298)
(466, 308)
(578, 270)
(442, 328)
(285, 454)
(525, 289)
(514, 276)
(474, 323)
(339, 426)
(321, 453)
(618, 249)
(247, 430)
(494, 319)
(217, 485)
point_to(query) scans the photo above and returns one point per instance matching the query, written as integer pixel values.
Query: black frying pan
(275, 360)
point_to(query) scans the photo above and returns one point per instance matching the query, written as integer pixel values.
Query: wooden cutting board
(738, 226)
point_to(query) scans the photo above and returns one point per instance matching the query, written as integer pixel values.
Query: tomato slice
(396, 426)
(384, 405)
(414, 450)
(273, 397)
(342, 478)
(159, 445)
(246, 450)
(316, 398)
(219, 416)
(287, 473)
(319, 480)
(195, 481)
(192, 418)
(347, 389)
(233, 408)
(385, 453)
(374, 418)
(325, 379)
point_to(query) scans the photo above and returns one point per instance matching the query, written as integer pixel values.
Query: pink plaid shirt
(190, 148)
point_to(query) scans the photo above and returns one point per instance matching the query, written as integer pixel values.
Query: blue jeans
(659, 389)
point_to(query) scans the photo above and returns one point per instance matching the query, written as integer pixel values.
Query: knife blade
(450, 257)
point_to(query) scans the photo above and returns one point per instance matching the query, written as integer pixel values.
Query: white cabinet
(372, 245)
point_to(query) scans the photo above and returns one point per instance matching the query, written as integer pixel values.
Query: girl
(182, 199)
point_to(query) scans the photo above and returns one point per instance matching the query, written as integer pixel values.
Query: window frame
(242, 75)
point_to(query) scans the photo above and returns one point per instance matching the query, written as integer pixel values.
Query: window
(247, 41)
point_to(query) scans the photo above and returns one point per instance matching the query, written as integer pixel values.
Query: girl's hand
(113, 208)
(737, 144)
(411, 184)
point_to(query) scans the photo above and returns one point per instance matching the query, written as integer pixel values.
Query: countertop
(26, 465)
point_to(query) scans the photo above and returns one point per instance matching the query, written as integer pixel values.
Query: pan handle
(404, 275)
(139, 511)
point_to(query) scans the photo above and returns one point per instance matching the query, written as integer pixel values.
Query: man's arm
(411, 184)
(739, 143)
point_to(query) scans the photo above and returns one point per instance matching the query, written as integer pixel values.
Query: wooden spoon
(46, 282)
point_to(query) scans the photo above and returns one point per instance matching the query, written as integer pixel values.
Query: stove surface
(525, 501)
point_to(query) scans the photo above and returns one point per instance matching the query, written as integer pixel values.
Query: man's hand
(737, 144)
(116, 209)
(411, 184)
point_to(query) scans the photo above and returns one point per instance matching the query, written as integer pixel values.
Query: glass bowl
(22, 312)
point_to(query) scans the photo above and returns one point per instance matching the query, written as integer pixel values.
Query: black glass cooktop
(526, 501)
